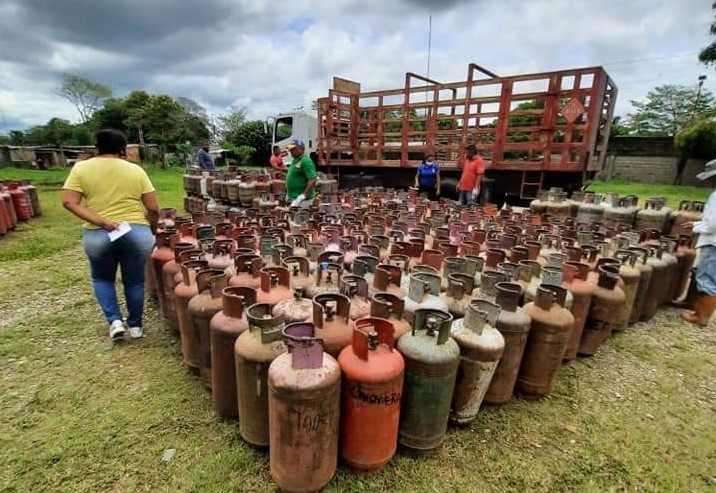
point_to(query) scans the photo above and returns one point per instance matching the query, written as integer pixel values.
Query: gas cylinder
(558, 206)
(582, 290)
(603, 311)
(488, 281)
(162, 254)
(32, 195)
(304, 409)
(254, 351)
(424, 292)
(653, 216)
(589, 210)
(183, 293)
(549, 275)
(457, 297)
(452, 265)
(481, 347)
(689, 211)
(550, 328)
(364, 266)
(685, 257)
(279, 253)
(183, 252)
(387, 279)
(669, 246)
(657, 286)
(20, 202)
(222, 254)
(356, 289)
(275, 285)
(390, 307)
(528, 275)
(300, 273)
(225, 327)
(372, 387)
(631, 277)
(296, 309)
(539, 205)
(327, 280)
(432, 358)
(201, 309)
(247, 271)
(514, 325)
(331, 316)
(645, 272)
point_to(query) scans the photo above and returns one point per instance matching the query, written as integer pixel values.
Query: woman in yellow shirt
(107, 191)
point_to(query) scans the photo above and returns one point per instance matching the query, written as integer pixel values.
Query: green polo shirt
(300, 172)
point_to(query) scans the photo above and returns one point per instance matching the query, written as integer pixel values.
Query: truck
(534, 131)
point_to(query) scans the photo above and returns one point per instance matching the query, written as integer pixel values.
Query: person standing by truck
(301, 176)
(276, 161)
(472, 172)
(427, 179)
(705, 273)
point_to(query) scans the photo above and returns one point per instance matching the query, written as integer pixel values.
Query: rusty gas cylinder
(457, 297)
(514, 325)
(685, 257)
(576, 282)
(372, 387)
(247, 271)
(423, 292)
(183, 293)
(657, 286)
(201, 309)
(550, 328)
(387, 279)
(183, 252)
(222, 254)
(226, 326)
(300, 273)
(275, 285)
(645, 271)
(20, 202)
(162, 254)
(390, 307)
(304, 409)
(356, 289)
(481, 347)
(254, 351)
(452, 265)
(432, 358)
(669, 246)
(488, 281)
(603, 311)
(297, 309)
(331, 316)
(631, 276)
(327, 279)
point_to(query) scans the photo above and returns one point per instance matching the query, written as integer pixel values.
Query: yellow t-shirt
(112, 188)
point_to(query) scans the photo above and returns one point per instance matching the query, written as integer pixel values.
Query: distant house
(43, 157)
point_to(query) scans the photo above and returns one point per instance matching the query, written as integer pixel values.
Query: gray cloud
(271, 58)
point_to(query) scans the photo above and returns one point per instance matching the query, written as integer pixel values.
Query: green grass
(78, 414)
(673, 194)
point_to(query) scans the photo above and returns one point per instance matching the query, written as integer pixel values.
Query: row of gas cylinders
(19, 202)
(612, 210)
(288, 341)
(230, 188)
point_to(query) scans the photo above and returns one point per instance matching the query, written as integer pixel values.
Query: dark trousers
(430, 191)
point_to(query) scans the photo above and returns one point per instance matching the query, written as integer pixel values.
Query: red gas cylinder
(304, 410)
(226, 326)
(390, 307)
(183, 252)
(247, 271)
(162, 254)
(10, 216)
(371, 390)
(4, 222)
(183, 293)
(331, 315)
(275, 285)
(21, 202)
(31, 193)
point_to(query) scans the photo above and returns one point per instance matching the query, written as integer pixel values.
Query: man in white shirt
(705, 275)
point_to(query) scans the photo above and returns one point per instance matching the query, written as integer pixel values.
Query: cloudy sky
(273, 56)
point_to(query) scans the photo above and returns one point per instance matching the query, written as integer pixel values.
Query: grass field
(78, 414)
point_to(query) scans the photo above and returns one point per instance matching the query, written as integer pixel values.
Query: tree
(252, 134)
(618, 129)
(84, 94)
(667, 109)
(708, 54)
(17, 137)
(58, 133)
(230, 122)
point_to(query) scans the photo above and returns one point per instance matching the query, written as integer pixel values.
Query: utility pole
(702, 78)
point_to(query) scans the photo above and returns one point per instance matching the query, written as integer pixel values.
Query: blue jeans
(466, 198)
(130, 253)
(706, 270)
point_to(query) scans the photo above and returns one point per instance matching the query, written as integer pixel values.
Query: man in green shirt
(301, 176)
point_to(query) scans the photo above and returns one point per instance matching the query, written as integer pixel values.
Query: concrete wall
(647, 160)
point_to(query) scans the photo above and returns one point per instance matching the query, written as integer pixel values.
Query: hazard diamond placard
(572, 110)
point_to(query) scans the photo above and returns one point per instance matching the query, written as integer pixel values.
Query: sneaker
(116, 330)
(136, 332)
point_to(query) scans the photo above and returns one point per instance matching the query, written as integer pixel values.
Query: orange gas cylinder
(183, 252)
(162, 254)
(390, 307)
(370, 399)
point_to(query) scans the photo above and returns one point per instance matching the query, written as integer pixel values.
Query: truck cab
(301, 125)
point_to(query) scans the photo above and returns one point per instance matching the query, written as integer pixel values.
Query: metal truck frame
(533, 131)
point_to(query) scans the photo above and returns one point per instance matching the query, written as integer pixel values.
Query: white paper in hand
(121, 230)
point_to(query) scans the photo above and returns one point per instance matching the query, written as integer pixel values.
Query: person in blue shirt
(427, 179)
(204, 158)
